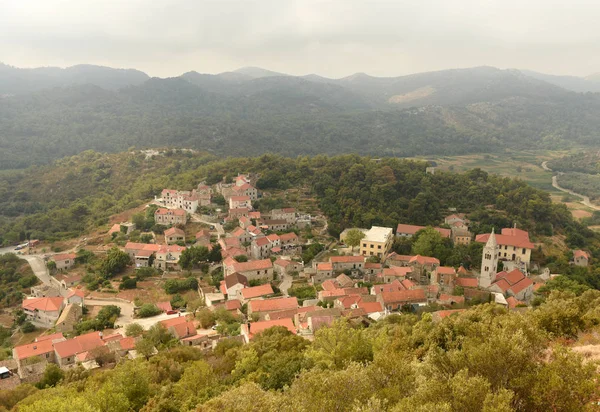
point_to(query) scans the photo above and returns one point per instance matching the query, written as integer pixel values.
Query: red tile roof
(416, 295)
(257, 291)
(325, 266)
(52, 336)
(253, 265)
(412, 229)
(233, 304)
(78, 344)
(372, 265)
(283, 262)
(286, 237)
(174, 212)
(76, 292)
(257, 327)
(167, 323)
(580, 254)
(401, 258)
(183, 330)
(34, 349)
(521, 285)
(397, 271)
(370, 307)
(408, 284)
(142, 246)
(64, 256)
(127, 343)
(271, 305)
(451, 298)
(273, 237)
(441, 314)
(174, 231)
(466, 282)
(263, 241)
(347, 301)
(329, 285)
(388, 287)
(445, 270)
(43, 304)
(502, 284)
(509, 237)
(424, 260)
(164, 306)
(347, 259)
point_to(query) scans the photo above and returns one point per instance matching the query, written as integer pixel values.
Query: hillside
(15, 80)
(448, 112)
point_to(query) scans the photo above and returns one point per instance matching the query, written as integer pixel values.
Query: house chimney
(34, 347)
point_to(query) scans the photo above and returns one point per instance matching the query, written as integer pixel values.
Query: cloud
(333, 38)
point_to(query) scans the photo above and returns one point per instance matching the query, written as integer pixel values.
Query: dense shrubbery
(15, 275)
(147, 310)
(105, 319)
(482, 360)
(172, 286)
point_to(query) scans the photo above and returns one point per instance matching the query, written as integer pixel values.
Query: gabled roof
(401, 258)
(203, 233)
(283, 262)
(424, 260)
(466, 282)
(270, 305)
(326, 266)
(348, 301)
(263, 241)
(344, 281)
(521, 285)
(43, 304)
(235, 279)
(509, 237)
(373, 265)
(416, 295)
(329, 285)
(462, 270)
(441, 314)
(412, 229)
(252, 265)
(174, 212)
(76, 292)
(445, 270)
(347, 259)
(451, 298)
(183, 330)
(238, 232)
(51, 337)
(174, 231)
(580, 254)
(370, 307)
(142, 246)
(286, 237)
(233, 304)
(64, 256)
(34, 349)
(257, 291)
(79, 344)
(397, 271)
(164, 306)
(253, 329)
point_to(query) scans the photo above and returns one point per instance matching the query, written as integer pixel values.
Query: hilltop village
(204, 265)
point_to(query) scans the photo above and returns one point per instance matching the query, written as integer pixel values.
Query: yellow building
(377, 241)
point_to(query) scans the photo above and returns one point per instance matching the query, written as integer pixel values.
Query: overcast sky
(332, 38)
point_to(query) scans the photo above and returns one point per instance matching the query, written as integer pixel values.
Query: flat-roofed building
(377, 241)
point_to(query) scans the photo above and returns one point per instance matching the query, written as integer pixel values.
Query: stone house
(252, 270)
(167, 257)
(352, 263)
(43, 312)
(69, 317)
(168, 217)
(580, 258)
(64, 261)
(174, 235)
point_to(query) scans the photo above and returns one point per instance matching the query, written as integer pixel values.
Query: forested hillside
(482, 360)
(449, 112)
(79, 193)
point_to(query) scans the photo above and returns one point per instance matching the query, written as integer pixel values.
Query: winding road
(585, 200)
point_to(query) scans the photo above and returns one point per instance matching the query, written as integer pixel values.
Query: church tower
(489, 262)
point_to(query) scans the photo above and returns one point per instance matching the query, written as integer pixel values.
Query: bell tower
(489, 262)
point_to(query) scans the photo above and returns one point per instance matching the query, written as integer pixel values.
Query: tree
(353, 237)
(215, 254)
(429, 242)
(114, 262)
(52, 376)
(27, 327)
(192, 256)
(51, 266)
(206, 318)
(147, 310)
(241, 258)
(145, 348)
(134, 330)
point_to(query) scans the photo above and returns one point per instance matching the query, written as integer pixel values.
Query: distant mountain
(482, 109)
(573, 83)
(257, 72)
(15, 80)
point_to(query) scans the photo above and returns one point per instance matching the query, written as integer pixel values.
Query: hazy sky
(333, 38)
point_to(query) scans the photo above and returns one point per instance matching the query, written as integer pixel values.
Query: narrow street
(286, 284)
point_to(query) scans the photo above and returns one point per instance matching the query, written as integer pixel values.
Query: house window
(364, 245)
(524, 251)
(378, 246)
(47, 355)
(372, 246)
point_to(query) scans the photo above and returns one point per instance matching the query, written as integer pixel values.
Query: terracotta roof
(142, 246)
(233, 304)
(243, 187)
(164, 306)
(167, 323)
(424, 260)
(502, 284)
(462, 270)
(43, 304)
(397, 271)
(257, 327)
(257, 291)
(370, 307)
(325, 266)
(64, 256)
(76, 292)
(466, 282)
(416, 295)
(174, 212)
(52, 336)
(237, 210)
(580, 254)
(273, 237)
(347, 259)
(344, 281)
(441, 314)
(521, 240)
(286, 237)
(348, 301)
(271, 305)
(372, 265)
(263, 241)
(34, 349)
(408, 284)
(234, 279)
(329, 285)
(115, 228)
(222, 287)
(203, 233)
(78, 344)
(412, 229)
(127, 343)
(283, 262)
(387, 287)
(512, 277)
(451, 298)
(253, 265)
(521, 285)
(183, 330)
(254, 215)
(445, 270)
(401, 258)
(240, 198)
(174, 231)
(171, 249)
